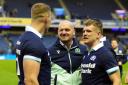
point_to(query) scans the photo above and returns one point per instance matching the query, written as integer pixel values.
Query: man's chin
(64, 40)
(86, 42)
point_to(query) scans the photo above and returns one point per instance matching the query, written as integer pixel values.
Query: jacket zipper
(70, 62)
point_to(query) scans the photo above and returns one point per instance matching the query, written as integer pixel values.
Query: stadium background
(15, 15)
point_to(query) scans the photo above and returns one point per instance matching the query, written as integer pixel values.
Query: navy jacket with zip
(66, 63)
(68, 59)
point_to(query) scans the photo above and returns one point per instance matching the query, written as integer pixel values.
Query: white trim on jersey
(18, 69)
(31, 29)
(29, 57)
(109, 71)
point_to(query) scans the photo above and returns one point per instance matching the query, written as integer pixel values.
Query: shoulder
(56, 45)
(83, 48)
(27, 36)
(32, 42)
(54, 48)
(105, 54)
(105, 51)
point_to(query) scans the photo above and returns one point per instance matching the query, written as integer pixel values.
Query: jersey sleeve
(34, 50)
(109, 63)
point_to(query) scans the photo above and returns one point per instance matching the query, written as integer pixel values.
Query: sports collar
(65, 45)
(103, 39)
(31, 29)
(98, 46)
(73, 45)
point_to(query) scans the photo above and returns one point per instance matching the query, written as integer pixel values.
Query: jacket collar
(74, 43)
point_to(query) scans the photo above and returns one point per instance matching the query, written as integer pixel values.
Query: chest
(92, 63)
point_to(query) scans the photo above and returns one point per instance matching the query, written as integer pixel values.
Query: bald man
(66, 56)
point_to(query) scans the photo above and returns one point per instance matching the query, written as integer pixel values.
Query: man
(99, 66)
(66, 56)
(2, 11)
(119, 53)
(33, 63)
(117, 48)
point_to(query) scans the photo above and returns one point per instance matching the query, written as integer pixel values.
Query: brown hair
(39, 9)
(95, 22)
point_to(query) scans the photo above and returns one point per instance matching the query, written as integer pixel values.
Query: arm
(31, 71)
(115, 78)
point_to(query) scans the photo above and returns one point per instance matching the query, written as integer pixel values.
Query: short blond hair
(95, 22)
(39, 10)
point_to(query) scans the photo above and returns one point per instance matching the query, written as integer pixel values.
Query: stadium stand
(90, 8)
(23, 6)
(3, 45)
(79, 9)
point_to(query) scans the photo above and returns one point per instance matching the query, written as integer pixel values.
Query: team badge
(77, 50)
(93, 58)
(58, 51)
(18, 42)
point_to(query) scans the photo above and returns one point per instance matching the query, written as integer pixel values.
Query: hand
(119, 63)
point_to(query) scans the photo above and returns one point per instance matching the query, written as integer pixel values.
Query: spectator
(2, 11)
(119, 53)
(13, 13)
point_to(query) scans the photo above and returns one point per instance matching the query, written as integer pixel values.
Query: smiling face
(66, 31)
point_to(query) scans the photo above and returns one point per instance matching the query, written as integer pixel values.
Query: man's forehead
(90, 27)
(66, 23)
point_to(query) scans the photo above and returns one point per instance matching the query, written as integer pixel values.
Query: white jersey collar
(103, 39)
(98, 46)
(31, 29)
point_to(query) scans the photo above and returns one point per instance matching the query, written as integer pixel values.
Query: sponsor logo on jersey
(87, 68)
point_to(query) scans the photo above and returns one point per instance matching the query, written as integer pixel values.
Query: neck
(68, 44)
(39, 28)
(91, 46)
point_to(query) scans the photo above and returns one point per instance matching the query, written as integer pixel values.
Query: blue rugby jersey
(31, 44)
(97, 66)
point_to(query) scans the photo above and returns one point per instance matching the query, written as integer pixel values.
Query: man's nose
(84, 33)
(63, 32)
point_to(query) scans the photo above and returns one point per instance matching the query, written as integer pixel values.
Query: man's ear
(99, 34)
(45, 20)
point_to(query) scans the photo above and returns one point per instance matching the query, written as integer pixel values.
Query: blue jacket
(66, 63)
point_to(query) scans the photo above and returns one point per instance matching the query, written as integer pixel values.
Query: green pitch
(8, 72)
(125, 69)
